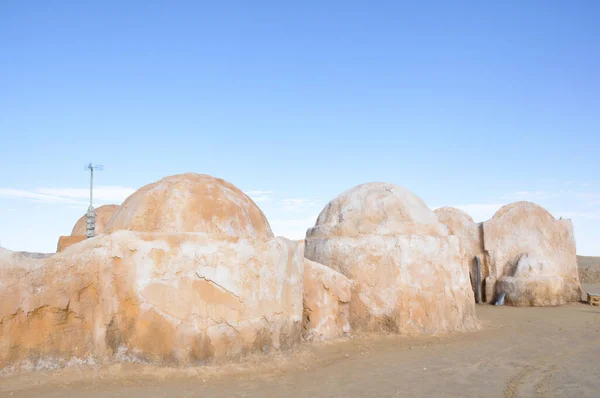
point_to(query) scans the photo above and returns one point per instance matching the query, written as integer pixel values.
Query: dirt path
(520, 352)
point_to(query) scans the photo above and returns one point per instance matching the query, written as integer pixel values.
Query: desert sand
(589, 269)
(519, 352)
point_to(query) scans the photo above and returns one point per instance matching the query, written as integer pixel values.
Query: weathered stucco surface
(187, 270)
(163, 296)
(103, 216)
(326, 303)
(470, 235)
(532, 255)
(376, 209)
(407, 274)
(534, 283)
(192, 203)
(66, 241)
(176, 298)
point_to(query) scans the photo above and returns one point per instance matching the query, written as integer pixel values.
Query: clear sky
(472, 104)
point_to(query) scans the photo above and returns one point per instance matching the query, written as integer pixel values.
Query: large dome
(103, 216)
(376, 209)
(192, 203)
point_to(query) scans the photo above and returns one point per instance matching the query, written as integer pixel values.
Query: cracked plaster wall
(158, 298)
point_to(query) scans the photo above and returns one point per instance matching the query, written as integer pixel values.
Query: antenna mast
(90, 221)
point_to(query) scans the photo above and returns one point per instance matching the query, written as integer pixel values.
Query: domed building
(187, 271)
(103, 216)
(525, 253)
(406, 269)
(531, 256)
(377, 209)
(192, 203)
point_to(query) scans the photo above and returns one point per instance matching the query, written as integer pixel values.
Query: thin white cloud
(258, 192)
(293, 228)
(587, 197)
(72, 196)
(82, 207)
(300, 204)
(531, 195)
(589, 215)
(259, 196)
(258, 199)
(21, 194)
(103, 193)
(594, 197)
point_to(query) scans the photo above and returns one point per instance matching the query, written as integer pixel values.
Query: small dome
(519, 209)
(453, 212)
(192, 203)
(103, 216)
(379, 209)
(455, 219)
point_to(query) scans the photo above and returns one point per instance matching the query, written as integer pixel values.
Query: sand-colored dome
(192, 203)
(103, 216)
(460, 223)
(406, 271)
(451, 215)
(377, 209)
(519, 209)
(525, 236)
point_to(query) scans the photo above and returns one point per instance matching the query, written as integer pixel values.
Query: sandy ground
(520, 352)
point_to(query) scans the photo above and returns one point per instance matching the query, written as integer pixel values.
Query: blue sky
(475, 104)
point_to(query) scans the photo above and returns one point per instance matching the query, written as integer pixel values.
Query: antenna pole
(90, 221)
(91, 182)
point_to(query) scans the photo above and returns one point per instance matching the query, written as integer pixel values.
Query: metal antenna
(90, 221)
